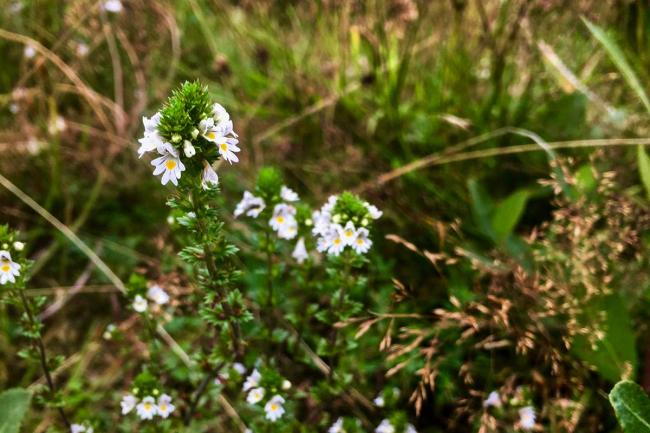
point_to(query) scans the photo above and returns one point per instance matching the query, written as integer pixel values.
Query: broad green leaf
(617, 56)
(13, 406)
(616, 354)
(644, 168)
(632, 407)
(508, 213)
(482, 208)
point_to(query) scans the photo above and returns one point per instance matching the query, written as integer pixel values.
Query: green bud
(195, 133)
(176, 138)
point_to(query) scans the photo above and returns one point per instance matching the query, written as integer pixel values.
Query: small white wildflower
(283, 216)
(239, 368)
(113, 6)
(337, 427)
(219, 115)
(300, 251)
(255, 395)
(140, 304)
(77, 428)
(147, 408)
(19, 246)
(289, 230)
(274, 409)
(82, 49)
(287, 194)
(361, 242)
(165, 406)
(379, 401)
(128, 403)
(336, 240)
(286, 385)
(151, 140)
(158, 295)
(410, 428)
(9, 269)
(493, 400)
(188, 149)
(374, 212)
(527, 417)
(250, 205)
(209, 177)
(29, 52)
(227, 147)
(385, 427)
(252, 381)
(169, 165)
(349, 234)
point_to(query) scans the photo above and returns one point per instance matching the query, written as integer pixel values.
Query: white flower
(255, 395)
(113, 6)
(128, 403)
(208, 129)
(82, 49)
(219, 114)
(322, 221)
(287, 194)
(493, 400)
(239, 368)
(29, 52)
(77, 428)
(361, 242)
(140, 304)
(300, 251)
(385, 427)
(151, 140)
(373, 211)
(169, 164)
(209, 178)
(283, 219)
(19, 246)
(527, 417)
(337, 427)
(252, 381)
(158, 295)
(349, 233)
(289, 230)
(379, 401)
(147, 408)
(274, 409)
(250, 205)
(227, 147)
(286, 385)
(410, 428)
(165, 406)
(337, 243)
(8, 268)
(188, 149)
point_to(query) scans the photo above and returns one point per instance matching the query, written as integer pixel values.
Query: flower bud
(176, 138)
(188, 149)
(286, 385)
(336, 218)
(195, 133)
(19, 246)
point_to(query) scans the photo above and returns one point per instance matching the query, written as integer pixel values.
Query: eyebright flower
(361, 243)
(9, 269)
(158, 295)
(250, 205)
(169, 164)
(140, 304)
(220, 115)
(209, 178)
(80, 428)
(527, 417)
(255, 395)
(300, 251)
(284, 221)
(493, 400)
(239, 368)
(113, 6)
(227, 147)
(336, 240)
(287, 194)
(165, 406)
(151, 140)
(379, 401)
(337, 427)
(385, 427)
(252, 381)
(410, 428)
(349, 234)
(147, 408)
(274, 409)
(128, 403)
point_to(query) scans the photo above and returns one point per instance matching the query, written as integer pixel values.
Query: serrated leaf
(13, 406)
(632, 407)
(617, 56)
(643, 162)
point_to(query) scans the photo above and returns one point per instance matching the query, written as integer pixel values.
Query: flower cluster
(266, 389)
(81, 428)
(9, 268)
(141, 292)
(193, 127)
(343, 221)
(283, 218)
(527, 415)
(146, 399)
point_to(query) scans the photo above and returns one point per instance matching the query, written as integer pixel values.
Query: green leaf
(644, 168)
(615, 355)
(482, 207)
(632, 407)
(508, 213)
(617, 56)
(13, 406)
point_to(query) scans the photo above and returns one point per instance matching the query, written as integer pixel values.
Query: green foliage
(632, 407)
(14, 404)
(184, 109)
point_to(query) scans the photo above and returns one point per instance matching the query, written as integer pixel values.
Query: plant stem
(38, 343)
(269, 272)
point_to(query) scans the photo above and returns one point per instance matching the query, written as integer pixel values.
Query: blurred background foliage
(415, 105)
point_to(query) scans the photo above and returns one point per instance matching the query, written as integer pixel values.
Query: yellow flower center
(5, 267)
(170, 164)
(224, 146)
(148, 406)
(348, 233)
(337, 241)
(360, 241)
(163, 407)
(279, 219)
(211, 135)
(274, 407)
